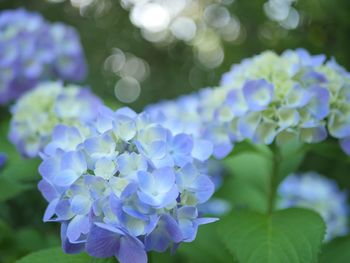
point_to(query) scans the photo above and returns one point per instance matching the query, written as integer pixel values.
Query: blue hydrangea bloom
(321, 194)
(266, 98)
(271, 97)
(196, 114)
(32, 50)
(39, 110)
(125, 187)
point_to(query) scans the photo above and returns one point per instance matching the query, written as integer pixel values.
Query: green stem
(274, 178)
(150, 257)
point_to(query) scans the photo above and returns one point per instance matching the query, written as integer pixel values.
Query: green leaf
(9, 189)
(16, 174)
(337, 251)
(56, 255)
(253, 169)
(288, 236)
(207, 247)
(248, 184)
(291, 156)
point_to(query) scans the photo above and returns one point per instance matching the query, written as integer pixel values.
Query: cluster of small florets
(126, 187)
(275, 97)
(264, 98)
(196, 114)
(32, 49)
(318, 193)
(38, 111)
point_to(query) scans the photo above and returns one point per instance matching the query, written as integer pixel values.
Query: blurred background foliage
(137, 62)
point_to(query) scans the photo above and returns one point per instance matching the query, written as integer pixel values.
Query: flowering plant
(127, 187)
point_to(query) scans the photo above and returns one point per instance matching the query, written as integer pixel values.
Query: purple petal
(77, 226)
(248, 123)
(202, 149)
(66, 178)
(50, 210)
(319, 103)
(236, 101)
(102, 243)
(221, 150)
(67, 246)
(131, 250)
(47, 190)
(167, 231)
(183, 143)
(164, 179)
(258, 94)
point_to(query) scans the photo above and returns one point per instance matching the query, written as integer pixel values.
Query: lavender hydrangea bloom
(125, 187)
(38, 111)
(266, 98)
(313, 191)
(33, 50)
(196, 114)
(271, 97)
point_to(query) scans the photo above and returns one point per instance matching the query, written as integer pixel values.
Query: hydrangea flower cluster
(275, 97)
(264, 98)
(196, 114)
(32, 50)
(38, 111)
(313, 191)
(127, 187)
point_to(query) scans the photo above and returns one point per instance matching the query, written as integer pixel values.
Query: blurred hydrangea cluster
(127, 186)
(39, 110)
(32, 49)
(313, 191)
(264, 98)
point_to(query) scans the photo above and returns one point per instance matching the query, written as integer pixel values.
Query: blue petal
(74, 161)
(339, 125)
(68, 247)
(66, 178)
(319, 103)
(47, 190)
(183, 143)
(79, 225)
(258, 94)
(248, 123)
(235, 100)
(50, 210)
(102, 243)
(167, 231)
(203, 188)
(124, 128)
(297, 97)
(63, 210)
(131, 250)
(221, 150)
(202, 149)
(164, 179)
(81, 204)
